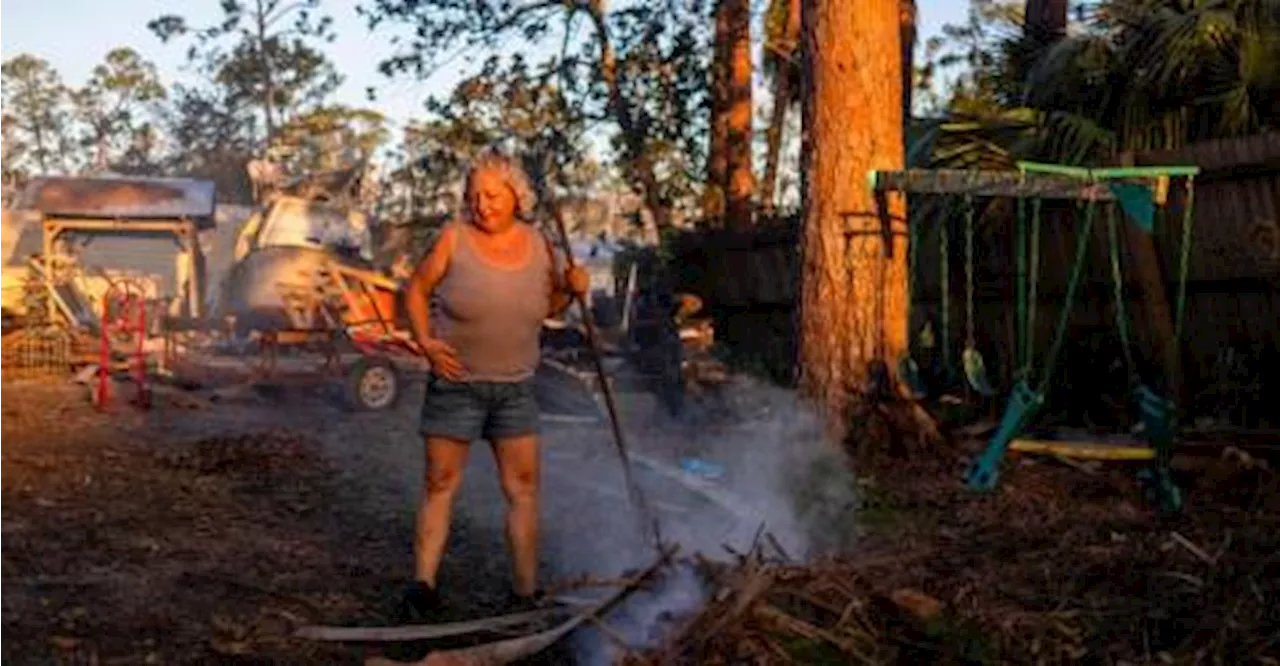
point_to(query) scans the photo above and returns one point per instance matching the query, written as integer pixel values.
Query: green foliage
(38, 118)
(118, 109)
(1129, 75)
(328, 138)
(641, 67)
(507, 103)
(261, 54)
(211, 136)
(664, 57)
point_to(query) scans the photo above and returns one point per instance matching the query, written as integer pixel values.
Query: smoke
(752, 467)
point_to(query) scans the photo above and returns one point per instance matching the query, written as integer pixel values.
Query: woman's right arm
(418, 303)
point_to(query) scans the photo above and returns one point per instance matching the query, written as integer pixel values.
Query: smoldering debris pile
(1081, 573)
(764, 612)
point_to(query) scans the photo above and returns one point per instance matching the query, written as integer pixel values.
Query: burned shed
(136, 225)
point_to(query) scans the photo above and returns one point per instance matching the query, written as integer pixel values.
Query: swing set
(1129, 190)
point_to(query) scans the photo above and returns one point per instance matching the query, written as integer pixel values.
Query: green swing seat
(975, 371)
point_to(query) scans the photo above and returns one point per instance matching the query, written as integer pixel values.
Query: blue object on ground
(702, 468)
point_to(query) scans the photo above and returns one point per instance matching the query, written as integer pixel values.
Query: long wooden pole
(637, 497)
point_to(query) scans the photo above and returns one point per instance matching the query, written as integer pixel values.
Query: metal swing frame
(1089, 186)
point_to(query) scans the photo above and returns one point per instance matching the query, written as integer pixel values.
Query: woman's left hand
(577, 280)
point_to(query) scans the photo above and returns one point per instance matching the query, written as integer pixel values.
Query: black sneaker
(420, 604)
(523, 603)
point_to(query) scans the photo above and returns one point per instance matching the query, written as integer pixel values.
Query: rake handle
(597, 358)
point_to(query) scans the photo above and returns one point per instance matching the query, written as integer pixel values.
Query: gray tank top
(493, 314)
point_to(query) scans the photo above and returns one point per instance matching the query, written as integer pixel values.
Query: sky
(74, 35)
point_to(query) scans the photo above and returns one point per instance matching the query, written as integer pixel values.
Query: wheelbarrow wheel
(372, 384)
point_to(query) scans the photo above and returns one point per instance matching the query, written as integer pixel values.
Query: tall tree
(12, 174)
(782, 65)
(853, 292)
(730, 182)
(262, 52)
(907, 36)
(39, 120)
(715, 190)
(739, 177)
(115, 107)
(214, 136)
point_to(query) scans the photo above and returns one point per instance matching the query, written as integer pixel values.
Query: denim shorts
(469, 411)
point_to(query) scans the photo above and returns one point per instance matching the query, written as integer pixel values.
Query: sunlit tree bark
(853, 292)
(739, 178)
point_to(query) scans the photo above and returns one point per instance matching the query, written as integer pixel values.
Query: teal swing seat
(1157, 415)
(1024, 405)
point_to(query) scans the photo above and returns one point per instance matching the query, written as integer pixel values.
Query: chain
(1117, 281)
(968, 270)
(944, 252)
(1020, 286)
(1033, 296)
(913, 260)
(1188, 219)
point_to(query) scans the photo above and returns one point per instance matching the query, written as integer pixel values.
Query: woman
(476, 304)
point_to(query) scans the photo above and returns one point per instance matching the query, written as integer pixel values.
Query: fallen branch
(1192, 548)
(421, 632)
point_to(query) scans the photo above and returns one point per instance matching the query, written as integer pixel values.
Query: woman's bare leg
(446, 460)
(518, 466)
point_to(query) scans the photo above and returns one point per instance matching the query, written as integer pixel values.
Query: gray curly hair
(517, 179)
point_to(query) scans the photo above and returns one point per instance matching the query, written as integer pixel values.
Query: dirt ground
(201, 532)
(1071, 564)
(207, 535)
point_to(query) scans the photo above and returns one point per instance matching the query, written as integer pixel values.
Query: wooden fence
(749, 280)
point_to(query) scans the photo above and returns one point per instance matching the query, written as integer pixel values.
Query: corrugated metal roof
(121, 197)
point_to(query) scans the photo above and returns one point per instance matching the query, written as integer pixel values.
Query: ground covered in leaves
(207, 533)
(200, 535)
(1063, 564)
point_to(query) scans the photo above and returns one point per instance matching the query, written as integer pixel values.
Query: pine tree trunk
(907, 29)
(739, 178)
(715, 190)
(1046, 20)
(853, 292)
(782, 98)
